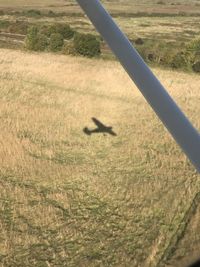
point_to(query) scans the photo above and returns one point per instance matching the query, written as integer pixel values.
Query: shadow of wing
(98, 123)
(112, 133)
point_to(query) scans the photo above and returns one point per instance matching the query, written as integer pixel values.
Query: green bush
(68, 48)
(31, 38)
(56, 42)
(154, 52)
(139, 41)
(167, 58)
(19, 27)
(194, 46)
(161, 3)
(33, 13)
(182, 60)
(142, 51)
(196, 66)
(46, 30)
(153, 57)
(63, 29)
(51, 14)
(150, 55)
(35, 40)
(42, 42)
(86, 45)
(4, 24)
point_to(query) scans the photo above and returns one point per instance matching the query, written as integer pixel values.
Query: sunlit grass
(68, 199)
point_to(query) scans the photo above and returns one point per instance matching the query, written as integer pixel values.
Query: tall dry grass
(67, 199)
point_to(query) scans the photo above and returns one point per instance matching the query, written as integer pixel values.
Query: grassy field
(184, 248)
(127, 10)
(68, 199)
(23, 4)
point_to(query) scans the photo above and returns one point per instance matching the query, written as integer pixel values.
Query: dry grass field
(24, 4)
(163, 6)
(184, 248)
(69, 199)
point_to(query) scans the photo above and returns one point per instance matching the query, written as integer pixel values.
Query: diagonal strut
(162, 103)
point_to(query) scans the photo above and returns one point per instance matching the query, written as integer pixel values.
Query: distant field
(68, 199)
(57, 6)
(15, 4)
(163, 6)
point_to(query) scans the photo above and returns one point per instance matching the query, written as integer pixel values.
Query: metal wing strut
(169, 113)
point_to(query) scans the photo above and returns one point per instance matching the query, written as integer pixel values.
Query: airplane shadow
(195, 264)
(101, 128)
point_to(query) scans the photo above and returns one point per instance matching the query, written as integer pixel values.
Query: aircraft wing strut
(162, 103)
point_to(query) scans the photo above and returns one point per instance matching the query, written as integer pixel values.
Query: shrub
(139, 41)
(86, 45)
(154, 52)
(20, 27)
(167, 58)
(63, 29)
(152, 57)
(31, 38)
(194, 46)
(161, 3)
(51, 13)
(46, 30)
(142, 51)
(56, 42)
(4, 24)
(42, 42)
(182, 60)
(68, 48)
(33, 13)
(196, 66)
(35, 41)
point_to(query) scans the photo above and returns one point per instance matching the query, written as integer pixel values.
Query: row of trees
(61, 37)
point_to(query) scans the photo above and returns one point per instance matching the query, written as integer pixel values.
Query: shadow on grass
(101, 128)
(195, 264)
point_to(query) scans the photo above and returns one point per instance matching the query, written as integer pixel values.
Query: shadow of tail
(87, 131)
